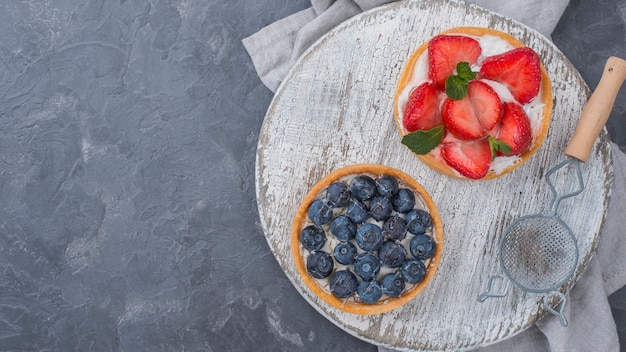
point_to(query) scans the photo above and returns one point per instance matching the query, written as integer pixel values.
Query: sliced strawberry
(460, 119)
(518, 69)
(513, 129)
(474, 115)
(421, 112)
(471, 159)
(445, 51)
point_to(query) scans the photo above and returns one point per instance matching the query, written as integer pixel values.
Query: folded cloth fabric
(275, 48)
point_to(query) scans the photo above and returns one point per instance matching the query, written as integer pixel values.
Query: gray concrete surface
(128, 219)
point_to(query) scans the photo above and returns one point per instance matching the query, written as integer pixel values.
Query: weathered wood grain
(335, 109)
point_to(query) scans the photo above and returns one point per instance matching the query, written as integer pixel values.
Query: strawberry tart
(473, 103)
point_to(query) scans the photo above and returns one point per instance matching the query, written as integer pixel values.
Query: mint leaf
(498, 145)
(423, 141)
(464, 71)
(456, 85)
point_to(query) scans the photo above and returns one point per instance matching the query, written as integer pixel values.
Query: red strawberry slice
(445, 51)
(474, 115)
(471, 159)
(518, 69)
(514, 129)
(421, 112)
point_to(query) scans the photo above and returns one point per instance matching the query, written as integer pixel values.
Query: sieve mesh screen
(539, 253)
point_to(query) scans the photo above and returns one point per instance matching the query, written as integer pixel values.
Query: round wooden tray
(335, 108)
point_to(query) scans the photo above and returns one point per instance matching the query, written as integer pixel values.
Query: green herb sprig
(498, 145)
(456, 85)
(423, 141)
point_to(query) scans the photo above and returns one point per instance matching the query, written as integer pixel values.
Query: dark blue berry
(380, 208)
(344, 253)
(394, 228)
(312, 237)
(392, 254)
(392, 285)
(387, 186)
(319, 264)
(367, 266)
(343, 228)
(338, 194)
(363, 187)
(320, 212)
(369, 237)
(369, 291)
(403, 201)
(418, 221)
(357, 212)
(413, 271)
(422, 247)
(343, 284)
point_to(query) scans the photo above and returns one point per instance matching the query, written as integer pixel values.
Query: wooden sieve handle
(598, 109)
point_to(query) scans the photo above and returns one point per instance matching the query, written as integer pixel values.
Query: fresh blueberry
(392, 254)
(320, 212)
(422, 247)
(369, 291)
(319, 264)
(394, 228)
(357, 212)
(392, 285)
(413, 271)
(363, 187)
(387, 186)
(343, 228)
(343, 283)
(403, 201)
(380, 208)
(338, 194)
(344, 253)
(369, 237)
(312, 237)
(418, 221)
(367, 266)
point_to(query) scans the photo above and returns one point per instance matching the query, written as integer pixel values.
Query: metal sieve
(539, 253)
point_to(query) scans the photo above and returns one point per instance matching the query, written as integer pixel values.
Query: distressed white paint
(335, 109)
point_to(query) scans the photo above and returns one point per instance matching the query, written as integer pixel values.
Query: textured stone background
(128, 218)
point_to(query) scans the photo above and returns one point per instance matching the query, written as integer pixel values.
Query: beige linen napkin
(275, 48)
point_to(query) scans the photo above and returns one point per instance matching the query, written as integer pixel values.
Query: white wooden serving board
(335, 108)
